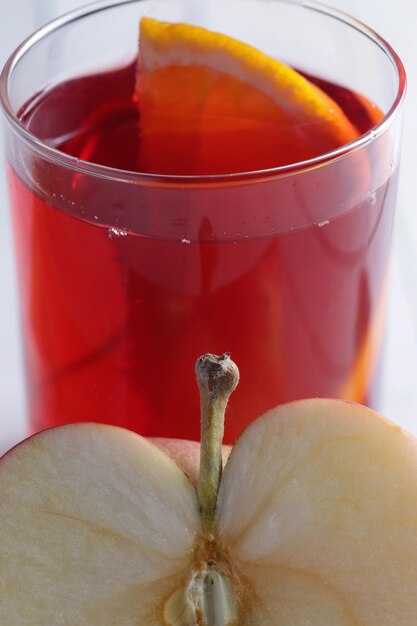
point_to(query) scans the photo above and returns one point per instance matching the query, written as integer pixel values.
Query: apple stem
(217, 377)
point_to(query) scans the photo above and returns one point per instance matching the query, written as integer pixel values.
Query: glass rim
(144, 178)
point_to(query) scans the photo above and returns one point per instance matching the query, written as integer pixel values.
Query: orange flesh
(222, 126)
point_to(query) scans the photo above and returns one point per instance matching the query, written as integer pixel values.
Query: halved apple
(314, 522)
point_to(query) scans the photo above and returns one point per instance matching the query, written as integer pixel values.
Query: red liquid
(114, 316)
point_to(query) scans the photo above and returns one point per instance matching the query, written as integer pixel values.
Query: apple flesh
(315, 524)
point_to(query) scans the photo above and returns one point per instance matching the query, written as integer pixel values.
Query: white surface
(396, 20)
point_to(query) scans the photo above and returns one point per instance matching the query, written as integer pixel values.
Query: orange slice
(369, 353)
(210, 104)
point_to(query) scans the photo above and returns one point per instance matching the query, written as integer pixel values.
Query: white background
(396, 21)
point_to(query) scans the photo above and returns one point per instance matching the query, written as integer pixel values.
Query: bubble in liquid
(116, 232)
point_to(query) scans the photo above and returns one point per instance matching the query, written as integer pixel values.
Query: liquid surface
(114, 316)
(96, 119)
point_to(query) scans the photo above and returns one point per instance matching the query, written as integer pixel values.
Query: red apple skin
(186, 454)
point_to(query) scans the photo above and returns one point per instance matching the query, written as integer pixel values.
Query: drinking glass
(127, 277)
